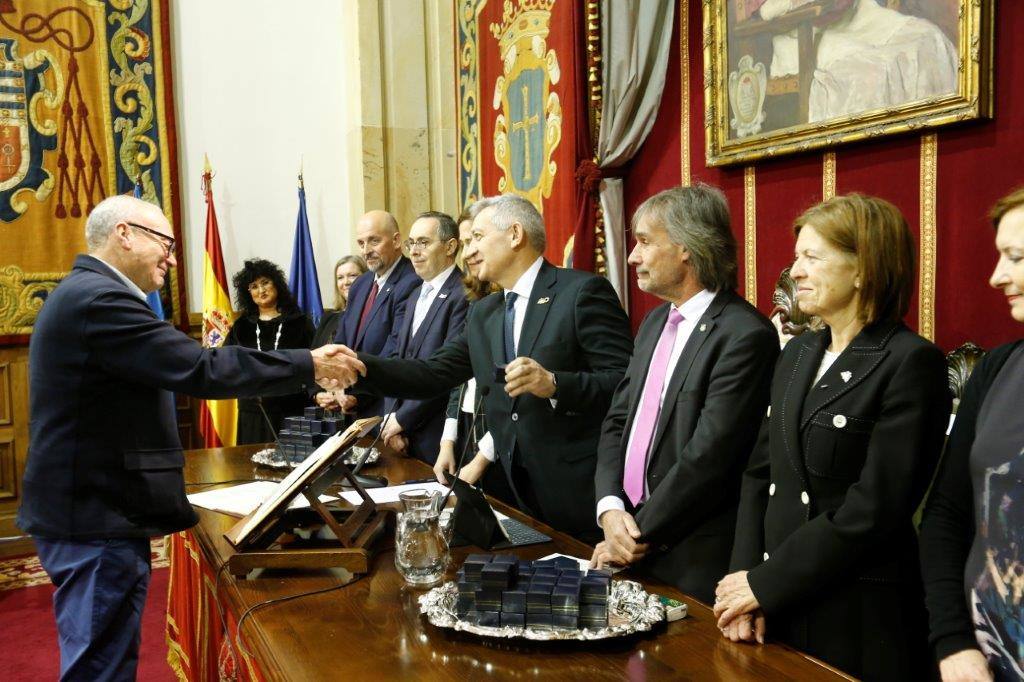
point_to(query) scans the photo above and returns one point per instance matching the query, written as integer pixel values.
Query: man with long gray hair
(546, 353)
(683, 421)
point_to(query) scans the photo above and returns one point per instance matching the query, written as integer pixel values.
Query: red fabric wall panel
(977, 165)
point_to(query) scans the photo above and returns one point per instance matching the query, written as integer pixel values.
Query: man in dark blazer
(376, 301)
(435, 314)
(548, 352)
(684, 419)
(104, 471)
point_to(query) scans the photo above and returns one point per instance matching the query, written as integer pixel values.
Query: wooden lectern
(263, 539)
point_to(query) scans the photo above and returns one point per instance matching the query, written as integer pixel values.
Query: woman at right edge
(972, 535)
(825, 557)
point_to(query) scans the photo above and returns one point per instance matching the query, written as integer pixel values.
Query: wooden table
(372, 628)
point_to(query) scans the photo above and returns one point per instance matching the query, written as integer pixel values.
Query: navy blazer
(104, 459)
(380, 334)
(423, 420)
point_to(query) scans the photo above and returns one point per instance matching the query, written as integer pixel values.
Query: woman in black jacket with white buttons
(825, 557)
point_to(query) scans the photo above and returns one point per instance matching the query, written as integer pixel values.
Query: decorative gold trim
(926, 286)
(595, 80)
(972, 100)
(750, 234)
(684, 93)
(828, 176)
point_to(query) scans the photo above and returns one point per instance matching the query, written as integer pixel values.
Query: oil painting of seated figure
(867, 54)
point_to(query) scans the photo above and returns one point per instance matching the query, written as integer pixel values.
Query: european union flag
(302, 278)
(153, 297)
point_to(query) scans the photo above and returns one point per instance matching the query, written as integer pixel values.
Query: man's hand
(398, 443)
(326, 400)
(969, 665)
(336, 366)
(620, 538)
(391, 427)
(525, 375)
(746, 628)
(445, 461)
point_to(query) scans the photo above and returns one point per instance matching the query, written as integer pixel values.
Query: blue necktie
(510, 326)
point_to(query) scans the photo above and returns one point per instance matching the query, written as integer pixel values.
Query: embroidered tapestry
(86, 110)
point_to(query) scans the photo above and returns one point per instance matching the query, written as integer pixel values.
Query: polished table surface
(372, 628)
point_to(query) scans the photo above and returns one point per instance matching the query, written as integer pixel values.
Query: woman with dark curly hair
(270, 320)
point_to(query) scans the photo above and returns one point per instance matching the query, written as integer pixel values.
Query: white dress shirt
(691, 310)
(135, 289)
(428, 292)
(381, 277)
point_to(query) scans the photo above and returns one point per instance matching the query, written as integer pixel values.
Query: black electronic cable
(484, 390)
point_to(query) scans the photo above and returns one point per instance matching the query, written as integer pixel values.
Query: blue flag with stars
(302, 278)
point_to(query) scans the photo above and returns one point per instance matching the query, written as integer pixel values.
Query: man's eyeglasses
(411, 244)
(159, 237)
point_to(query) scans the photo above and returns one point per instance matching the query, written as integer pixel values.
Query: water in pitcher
(421, 550)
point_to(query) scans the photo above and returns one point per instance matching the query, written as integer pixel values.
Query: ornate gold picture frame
(786, 76)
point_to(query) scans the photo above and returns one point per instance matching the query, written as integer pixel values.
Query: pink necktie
(647, 419)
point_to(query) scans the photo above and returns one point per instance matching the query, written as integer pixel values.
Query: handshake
(336, 367)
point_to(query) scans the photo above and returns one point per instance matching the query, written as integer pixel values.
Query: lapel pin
(542, 301)
(703, 327)
(839, 421)
(846, 375)
(442, 295)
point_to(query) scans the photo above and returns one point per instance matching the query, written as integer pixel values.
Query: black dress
(972, 536)
(288, 330)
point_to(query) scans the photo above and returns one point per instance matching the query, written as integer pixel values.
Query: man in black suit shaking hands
(550, 348)
(683, 422)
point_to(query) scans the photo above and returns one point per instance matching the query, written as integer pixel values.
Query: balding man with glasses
(104, 471)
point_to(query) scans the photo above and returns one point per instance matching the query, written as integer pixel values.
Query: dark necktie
(510, 326)
(367, 307)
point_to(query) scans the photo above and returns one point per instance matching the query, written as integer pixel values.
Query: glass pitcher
(421, 548)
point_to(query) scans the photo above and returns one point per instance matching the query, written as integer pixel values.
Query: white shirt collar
(382, 277)
(695, 306)
(132, 286)
(437, 282)
(524, 285)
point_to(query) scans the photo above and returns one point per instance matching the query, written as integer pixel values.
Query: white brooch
(846, 375)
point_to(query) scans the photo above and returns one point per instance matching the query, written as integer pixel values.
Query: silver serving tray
(630, 609)
(266, 458)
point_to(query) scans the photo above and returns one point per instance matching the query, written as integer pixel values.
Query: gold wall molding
(684, 93)
(750, 234)
(926, 285)
(828, 176)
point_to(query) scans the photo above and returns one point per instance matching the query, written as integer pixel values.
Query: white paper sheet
(391, 493)
(239, 500)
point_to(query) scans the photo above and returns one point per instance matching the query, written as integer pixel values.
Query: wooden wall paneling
(13, 444)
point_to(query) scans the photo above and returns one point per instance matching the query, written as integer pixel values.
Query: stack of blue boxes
(499, 590)
(302, 435)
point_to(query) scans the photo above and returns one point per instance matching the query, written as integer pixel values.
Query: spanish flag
(218, 419)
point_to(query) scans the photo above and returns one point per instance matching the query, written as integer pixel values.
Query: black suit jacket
(423, 420)
(380, 333)
(574, 327)
(715, 400)
(104, 459)
(826, 518)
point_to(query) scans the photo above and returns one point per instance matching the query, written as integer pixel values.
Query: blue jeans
(101, 591)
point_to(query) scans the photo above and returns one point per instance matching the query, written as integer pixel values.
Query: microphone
(266, 417)
(483, 391)
(370, 481)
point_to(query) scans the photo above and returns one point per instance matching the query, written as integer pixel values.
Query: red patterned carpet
(28, 647)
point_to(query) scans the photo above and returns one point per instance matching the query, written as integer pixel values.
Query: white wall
(259, 85)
